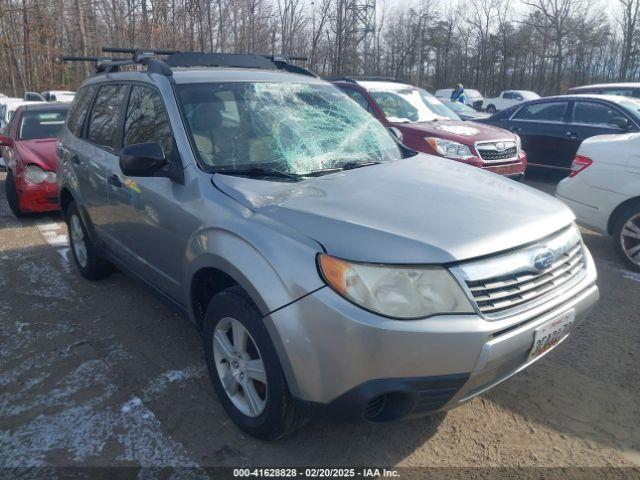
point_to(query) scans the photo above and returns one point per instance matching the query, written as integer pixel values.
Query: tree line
(491, 45)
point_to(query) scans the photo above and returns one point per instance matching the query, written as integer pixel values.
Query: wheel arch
(249, 260)
(65, 198)
(616, 212)
(211, 273)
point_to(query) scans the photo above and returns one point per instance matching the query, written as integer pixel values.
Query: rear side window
(79, 109)
(103, 123)
(591, 113)
(542, 112)
(507, 95)
(147, 120)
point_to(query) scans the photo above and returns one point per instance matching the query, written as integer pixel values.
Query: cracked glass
(296, 128)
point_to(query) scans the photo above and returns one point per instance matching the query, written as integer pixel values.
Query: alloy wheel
(630, 239)
(78, 242)
(240, 367)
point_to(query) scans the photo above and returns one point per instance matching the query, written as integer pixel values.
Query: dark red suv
(424, 123)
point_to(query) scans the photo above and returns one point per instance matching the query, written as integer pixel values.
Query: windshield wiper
(322, 171)
(352, 165)
(257, 172)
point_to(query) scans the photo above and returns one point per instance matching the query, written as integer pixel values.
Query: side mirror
(620, 122)
(5, 141)
(142, 159)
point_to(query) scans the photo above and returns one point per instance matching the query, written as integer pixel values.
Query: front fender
(273, 271)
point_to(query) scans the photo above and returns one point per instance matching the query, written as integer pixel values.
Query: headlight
(450, 149)
(518, 141)
(395, 291)
(34, 174)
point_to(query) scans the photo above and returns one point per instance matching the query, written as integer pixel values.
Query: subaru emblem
(543, 259)
(501, 146)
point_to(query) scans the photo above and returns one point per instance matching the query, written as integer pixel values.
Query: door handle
(572, 135)
(75, 159)
(516, 129)
(114, 180)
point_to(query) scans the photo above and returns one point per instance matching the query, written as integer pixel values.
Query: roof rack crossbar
(146, 57)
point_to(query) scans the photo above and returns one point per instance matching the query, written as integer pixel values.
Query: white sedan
(507, 99)
(603, 190)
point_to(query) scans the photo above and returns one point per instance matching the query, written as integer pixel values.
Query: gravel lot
(103, 374)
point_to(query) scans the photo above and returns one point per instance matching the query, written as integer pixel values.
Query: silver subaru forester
(330, 270)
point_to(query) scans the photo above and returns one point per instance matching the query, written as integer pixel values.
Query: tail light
(580, 162)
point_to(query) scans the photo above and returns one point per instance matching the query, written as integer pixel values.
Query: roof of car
(211, 74)
(35, 106)
(382, 85)
(608, 85)
(591, 96)
(14, 103)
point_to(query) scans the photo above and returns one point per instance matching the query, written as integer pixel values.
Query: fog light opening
(375, 408)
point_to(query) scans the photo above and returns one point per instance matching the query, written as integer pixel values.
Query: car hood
(412, 211)
(464, 132)
(474, 116)
(42, 152)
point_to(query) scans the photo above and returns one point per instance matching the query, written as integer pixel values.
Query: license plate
(551, 333)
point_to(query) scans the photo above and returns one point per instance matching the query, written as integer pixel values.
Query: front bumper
(343, 361)
(42, 197)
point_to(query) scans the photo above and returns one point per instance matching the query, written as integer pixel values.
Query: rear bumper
(592, 206)
(342, 361)
(42, 197)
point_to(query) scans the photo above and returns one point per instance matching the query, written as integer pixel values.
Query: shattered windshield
(409, 105)
(294, 128)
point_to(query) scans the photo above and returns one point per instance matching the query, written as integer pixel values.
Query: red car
(424, 123)
(29, 151)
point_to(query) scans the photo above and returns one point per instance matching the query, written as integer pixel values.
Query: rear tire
(230, 313)
(626, 235)
(12, 195)
(90, 264)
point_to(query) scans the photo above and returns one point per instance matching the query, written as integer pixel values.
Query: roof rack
(177, 59)
(363, 78)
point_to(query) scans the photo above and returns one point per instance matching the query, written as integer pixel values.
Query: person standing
(458, 94)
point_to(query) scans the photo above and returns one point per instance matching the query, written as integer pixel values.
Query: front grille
(497, 294)
(497, 155)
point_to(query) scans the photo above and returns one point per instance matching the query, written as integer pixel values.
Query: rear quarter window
(79, 109)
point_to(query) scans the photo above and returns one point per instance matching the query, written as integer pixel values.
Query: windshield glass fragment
(297, 128)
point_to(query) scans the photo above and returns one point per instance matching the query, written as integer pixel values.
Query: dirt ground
(103, 374)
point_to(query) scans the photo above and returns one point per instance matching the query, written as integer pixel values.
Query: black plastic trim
(406, 397)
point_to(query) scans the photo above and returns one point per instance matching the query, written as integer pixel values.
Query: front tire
(626, 235)
(12, 195)
(90, 264)
(244, 367)
(491, 109)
